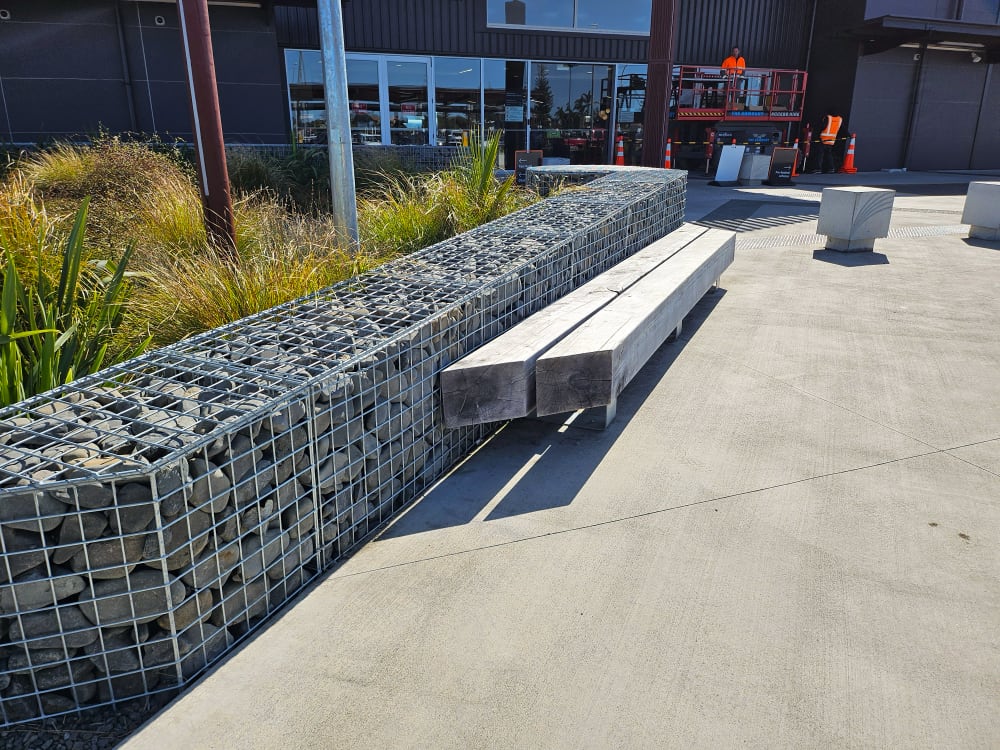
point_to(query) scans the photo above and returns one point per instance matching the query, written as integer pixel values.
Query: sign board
(408, 107)
(513, 114)
(730, 160)
(523, 160)
(780, 171)
(626, 115)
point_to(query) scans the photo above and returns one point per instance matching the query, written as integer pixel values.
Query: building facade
(558, 75)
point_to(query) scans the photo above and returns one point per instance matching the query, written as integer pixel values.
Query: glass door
(409, 100)
(363, 95)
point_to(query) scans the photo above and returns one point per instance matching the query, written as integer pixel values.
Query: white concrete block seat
(982, 210)
(853, 217)
(581, 351)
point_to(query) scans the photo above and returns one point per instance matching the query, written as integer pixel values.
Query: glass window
(408, 102)
(631, 109)
(570, 109)
(457, 82)
(362, 92)
(583, 15)
(621, 15)
(304, 69)
(556, 14)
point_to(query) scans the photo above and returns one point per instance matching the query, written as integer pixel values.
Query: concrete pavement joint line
(820, 398)
(972, 463)
(637, 516)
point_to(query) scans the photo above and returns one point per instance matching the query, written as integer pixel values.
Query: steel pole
(659, 79)
(338, 117)
(210, 148)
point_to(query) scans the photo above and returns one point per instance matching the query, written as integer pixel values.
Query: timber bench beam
(594, 363)
(501, 380)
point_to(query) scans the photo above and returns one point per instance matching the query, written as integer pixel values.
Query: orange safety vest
(829, 135)
(737, 64)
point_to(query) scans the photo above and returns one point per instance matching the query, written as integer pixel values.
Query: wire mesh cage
(155, 513)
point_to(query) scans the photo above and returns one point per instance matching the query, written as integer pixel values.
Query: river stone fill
(111, 603)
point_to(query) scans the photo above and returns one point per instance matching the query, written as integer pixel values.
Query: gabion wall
(155, 513)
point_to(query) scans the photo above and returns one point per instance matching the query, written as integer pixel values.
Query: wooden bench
(555, 361)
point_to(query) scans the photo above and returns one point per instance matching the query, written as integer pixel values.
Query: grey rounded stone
(109, 558)
(300, 518)
(32, 659)
(111, 602)
(31, 511)
(213, 567)
(76, 528)
(210, 488)
(114, 654)
(197, 607)
(131, 516)
(259, 553)
(188, 539)
(243, 456)
(35, 590)
(51, 628)
(241, 602)
(22, 552)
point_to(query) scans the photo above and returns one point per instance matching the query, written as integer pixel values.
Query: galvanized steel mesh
(155, 513)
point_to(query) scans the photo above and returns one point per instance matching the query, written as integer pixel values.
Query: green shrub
(55, 332)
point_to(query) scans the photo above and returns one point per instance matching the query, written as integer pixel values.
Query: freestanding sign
(730, 160)
(782, 161)
(523, 160)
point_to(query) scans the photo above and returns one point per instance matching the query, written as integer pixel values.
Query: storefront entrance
(563, 109)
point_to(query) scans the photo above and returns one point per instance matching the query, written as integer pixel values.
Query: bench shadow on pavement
(850, 260)
(533, 465)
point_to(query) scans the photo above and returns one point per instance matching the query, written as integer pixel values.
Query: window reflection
(570, 110)
(362, 92)
(408, 105)
(304, 71)
(457, 81)
(585, 15)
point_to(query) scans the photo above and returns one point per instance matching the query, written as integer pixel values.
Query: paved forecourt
(786, 539)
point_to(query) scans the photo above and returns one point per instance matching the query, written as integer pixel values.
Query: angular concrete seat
(853, 217)
(982, 210)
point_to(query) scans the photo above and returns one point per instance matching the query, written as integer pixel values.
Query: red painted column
(659, 78)
(210, 150)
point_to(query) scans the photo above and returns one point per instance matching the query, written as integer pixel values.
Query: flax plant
(57, 331)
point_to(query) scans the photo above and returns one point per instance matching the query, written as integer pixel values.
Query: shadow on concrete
(532, 465)
(985, 244)
(738, 215)
(850, 260)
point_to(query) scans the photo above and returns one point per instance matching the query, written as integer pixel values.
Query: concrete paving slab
(843, 612)
(986, 455)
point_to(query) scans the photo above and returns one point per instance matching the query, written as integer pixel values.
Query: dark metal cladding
(446, 27)
(769, 33)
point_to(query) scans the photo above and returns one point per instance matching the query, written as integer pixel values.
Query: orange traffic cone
(666, 156)
(795, 164)
(848, 167)
(620, 152)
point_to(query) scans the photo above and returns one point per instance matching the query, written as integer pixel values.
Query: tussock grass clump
(145, 210)
(282, 256)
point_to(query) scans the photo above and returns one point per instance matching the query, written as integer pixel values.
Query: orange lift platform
(759, 106)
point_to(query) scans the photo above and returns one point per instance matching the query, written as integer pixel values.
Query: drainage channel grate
(788, 240)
